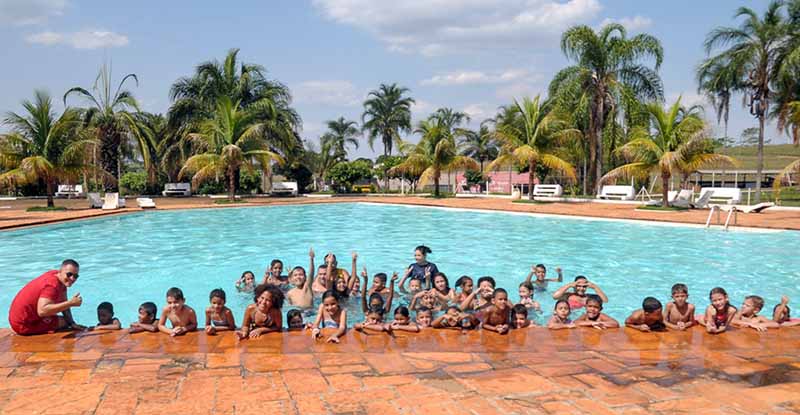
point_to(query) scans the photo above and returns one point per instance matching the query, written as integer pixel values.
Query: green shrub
(248, 182)
(133, 183)
(211, 188)
(346, 173)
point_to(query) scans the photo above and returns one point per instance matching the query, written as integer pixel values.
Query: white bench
(284, 188)
(724, 195)
(548, 190)
(68, 190)
(145, 203)
(177, 189)
(95, 201)
(617, 192)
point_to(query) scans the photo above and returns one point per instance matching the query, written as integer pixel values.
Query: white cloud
(688, 99)
(476, 77)
(478, 112)
(87, 39)
(421, 108)
(30, 12)
(631, 23)
(435, 27)
(336, 92)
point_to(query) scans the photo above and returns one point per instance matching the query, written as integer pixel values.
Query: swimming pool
(133, 258)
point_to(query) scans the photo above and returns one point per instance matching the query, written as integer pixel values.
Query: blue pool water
(134, 258)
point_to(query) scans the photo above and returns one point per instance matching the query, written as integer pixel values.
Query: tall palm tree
(756, 52)
(110, 116)
(387, 113)
(528, 134)
(480, 145)
(675, 142)
(36, 148)
(436, 152)
(232, 140)
(608, 65)
(340, 134)
(718, 82)
(789, 120)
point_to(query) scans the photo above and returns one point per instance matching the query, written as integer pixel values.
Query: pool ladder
(733, 212)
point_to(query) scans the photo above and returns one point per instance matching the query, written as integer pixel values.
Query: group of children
(437, 305)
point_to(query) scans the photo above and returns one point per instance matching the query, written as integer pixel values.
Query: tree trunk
(599, 141)
(436, 175)
(109, 155)
(760, 161)
(49, 185)
(531, 174)
(665, 189)
(232, 186)
(595, 143)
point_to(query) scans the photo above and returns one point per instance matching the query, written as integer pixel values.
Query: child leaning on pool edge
(719, 313)
(781, 314)
(679, 314)
(330, 315)
(648, 318)
(105, 317)
(560, 319)
(748, 316)
(147, 319)
(264, 315)
(594, 316)
(181, 316)
(218, 317)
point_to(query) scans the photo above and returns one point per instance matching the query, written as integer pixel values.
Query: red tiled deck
(530, 371)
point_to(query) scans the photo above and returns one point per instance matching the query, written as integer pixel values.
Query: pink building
(498, 183)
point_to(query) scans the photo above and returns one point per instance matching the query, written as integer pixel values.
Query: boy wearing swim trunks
(679, 314)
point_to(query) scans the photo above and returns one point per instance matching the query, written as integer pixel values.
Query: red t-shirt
(23, 309)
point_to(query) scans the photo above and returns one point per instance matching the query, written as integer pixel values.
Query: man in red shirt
(35, 308)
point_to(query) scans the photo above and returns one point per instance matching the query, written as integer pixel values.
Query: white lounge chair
(94, 200)
(758, 208)
(284, 188)
(682, 198)
(69, 190)
(702, 201)
(177, 189)
(617, 192)
(145, 203)
(111, 201)
(724, 195)
(548, 190)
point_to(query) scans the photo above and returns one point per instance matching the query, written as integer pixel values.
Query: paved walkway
(16, 216)
(435, 372)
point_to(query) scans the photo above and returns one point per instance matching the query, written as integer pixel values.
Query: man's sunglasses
(73, 276)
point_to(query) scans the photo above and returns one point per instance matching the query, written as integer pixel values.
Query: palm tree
(233, 139)
(528, 133)
(437, 151)
(480, 145)
(674, 143)
(718, 82)
(110, 117)
(608, 66)
(387, 113)
(756, 52)
(341, 133)
(789, 120)
(37, 146)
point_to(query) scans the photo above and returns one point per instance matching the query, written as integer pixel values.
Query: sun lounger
(284, 188)
(617, 192)
(177, 189)
(94, 200)
(111, 201)
(548, 190)
(69, 190)
(723, 195)
(145, 203)
(702, 201)
(758, 208)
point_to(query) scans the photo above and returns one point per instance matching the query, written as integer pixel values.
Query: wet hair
(462, 280)
(376, 296)
(424, 250)
(423, 309)
(381, 276)
(149, 308)
(651, 304)
(175, 293)
(217, 292)
(487, 278)
(527, 284)
(541, 266)
(453, 307)
(581, 277)
(72, 262)
(717, 290)
(555, 307)
(248, 272)
(105, 305)
(274, 291)
(680, 288)
(596, 298)
(292, 314)
(275, 261)
(758, 302)
(520, 309)
(300, 268)
(446, 281)
(500, 291)
(402, 310)
(331, 294)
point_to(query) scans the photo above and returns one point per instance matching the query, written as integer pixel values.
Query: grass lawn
(45, 209)
(663, 209)
(228, 201)
(776, 157)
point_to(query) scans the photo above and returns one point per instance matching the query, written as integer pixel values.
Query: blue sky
(471, 55)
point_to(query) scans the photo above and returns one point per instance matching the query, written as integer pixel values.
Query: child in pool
(679, 314)
(441, 288)
(330, 316)
(105, 317)
(373, 320)
(376, 298)
(378, 283)
(526, 296)
(496, 316)
(748, 316)
(320, 284)
(577, 297)
(181, 316)
(648, 318)
(719, 314)
(453, 318)
(781, 314)
(218, 317)
(273, 274)
(294, 320)
(402, 321)
(247, 282)
(264, 315)
(540, 283)
(519, 317)
(482, 297)
(465, 284)
(147, 319)
(414, 287)
(301, 294)
(426, 299)
(560, 319)
(594, 316)
(424, 317)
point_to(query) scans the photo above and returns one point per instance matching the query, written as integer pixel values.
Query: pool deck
(618, 371)
(13, 214)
